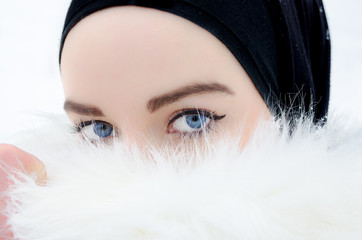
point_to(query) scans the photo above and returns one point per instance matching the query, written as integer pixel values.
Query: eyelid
(82, 124)
(188, 111)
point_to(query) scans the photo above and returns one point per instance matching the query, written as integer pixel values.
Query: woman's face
(147, 75)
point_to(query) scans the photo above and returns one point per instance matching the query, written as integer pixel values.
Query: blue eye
(196, 121)
(192, 121)
(96, 130)
(102, 129)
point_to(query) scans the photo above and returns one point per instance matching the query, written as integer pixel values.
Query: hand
(11, 158)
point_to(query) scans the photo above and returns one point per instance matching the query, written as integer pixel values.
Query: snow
(30, 81)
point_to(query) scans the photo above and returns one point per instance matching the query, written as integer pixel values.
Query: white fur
(305, 187)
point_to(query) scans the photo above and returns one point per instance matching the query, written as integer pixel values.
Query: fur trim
(305, 186)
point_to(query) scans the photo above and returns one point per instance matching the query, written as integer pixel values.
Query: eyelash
(194, 111)
(78, 127)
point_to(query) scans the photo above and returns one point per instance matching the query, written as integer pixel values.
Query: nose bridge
(135, 130)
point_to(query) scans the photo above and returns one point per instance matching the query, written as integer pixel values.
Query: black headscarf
(283, 45)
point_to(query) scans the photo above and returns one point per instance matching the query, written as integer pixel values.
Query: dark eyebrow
(82, 109)
(175, 95)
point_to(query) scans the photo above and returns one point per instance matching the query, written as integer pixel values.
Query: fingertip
(13, 157)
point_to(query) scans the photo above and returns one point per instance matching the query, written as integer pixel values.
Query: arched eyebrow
(155, 103)
(82, 109)
(199, 88)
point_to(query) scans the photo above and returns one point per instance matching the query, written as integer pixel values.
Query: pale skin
(124, 65)
(15, 158)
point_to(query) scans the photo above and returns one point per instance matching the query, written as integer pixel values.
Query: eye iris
(102, 130)
(196, 120)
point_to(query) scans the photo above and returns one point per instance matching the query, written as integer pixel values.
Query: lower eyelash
(205, 130)
(188, 111)
(78, 128)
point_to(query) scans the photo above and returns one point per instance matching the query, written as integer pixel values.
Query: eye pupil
(102, 129)
(196, 120)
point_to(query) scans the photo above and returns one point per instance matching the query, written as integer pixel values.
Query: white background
(30, 82)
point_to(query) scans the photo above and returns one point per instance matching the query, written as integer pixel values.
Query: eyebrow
(199, 88)
(82, 109)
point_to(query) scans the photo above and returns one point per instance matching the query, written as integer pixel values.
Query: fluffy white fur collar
(308, 186)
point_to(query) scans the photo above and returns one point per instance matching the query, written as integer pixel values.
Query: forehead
(137, 46)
